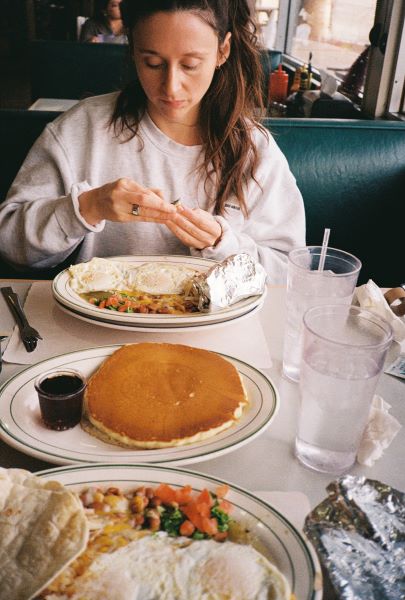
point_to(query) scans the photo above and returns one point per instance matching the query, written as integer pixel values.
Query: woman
(101, 179)
(105, 25)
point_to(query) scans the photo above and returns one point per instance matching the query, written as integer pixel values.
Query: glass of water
(343, 355)
(307, 287)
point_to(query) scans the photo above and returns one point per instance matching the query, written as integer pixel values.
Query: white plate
(67, 297)
(138, 327)
(22, 428)
(274, 535)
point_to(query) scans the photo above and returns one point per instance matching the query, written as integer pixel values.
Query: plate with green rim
(270, 532)
(21, 426)
(75, 305)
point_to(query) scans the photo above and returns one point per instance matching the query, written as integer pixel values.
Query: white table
(57, 104)
(268, 462)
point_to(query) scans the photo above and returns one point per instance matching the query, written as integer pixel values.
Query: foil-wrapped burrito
(359, 535)
(238, 276)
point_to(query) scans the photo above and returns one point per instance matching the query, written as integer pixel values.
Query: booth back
(76, 70)
(351, 175)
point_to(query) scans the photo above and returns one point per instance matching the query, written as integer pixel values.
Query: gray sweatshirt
(40, 222)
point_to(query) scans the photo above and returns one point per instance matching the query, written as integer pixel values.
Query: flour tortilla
(42, 529)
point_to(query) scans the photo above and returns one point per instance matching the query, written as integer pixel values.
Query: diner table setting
(316, 461)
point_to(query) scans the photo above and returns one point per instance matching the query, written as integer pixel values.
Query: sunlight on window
(335, 31)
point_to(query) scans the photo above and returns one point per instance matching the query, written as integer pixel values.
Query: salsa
(142, 302)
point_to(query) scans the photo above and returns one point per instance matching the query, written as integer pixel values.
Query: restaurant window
(335, 36)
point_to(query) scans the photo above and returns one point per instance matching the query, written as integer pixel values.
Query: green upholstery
(351, 175)
(62, 69)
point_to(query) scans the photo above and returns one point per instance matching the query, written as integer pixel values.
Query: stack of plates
(69, 301)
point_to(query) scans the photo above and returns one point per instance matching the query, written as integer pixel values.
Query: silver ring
(135, 210)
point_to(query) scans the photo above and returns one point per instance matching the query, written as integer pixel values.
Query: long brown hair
(228, 108)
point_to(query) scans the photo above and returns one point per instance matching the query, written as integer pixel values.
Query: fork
(28, 334)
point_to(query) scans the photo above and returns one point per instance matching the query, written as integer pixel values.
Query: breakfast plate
(76, 306)
(22, 428)
(269, 531)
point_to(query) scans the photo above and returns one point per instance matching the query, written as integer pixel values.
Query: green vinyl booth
(351, 174)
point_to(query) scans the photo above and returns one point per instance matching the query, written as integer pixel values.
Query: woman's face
(175, 57)
(113, 9)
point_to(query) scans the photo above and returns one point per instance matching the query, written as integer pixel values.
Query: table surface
(267, 462)
(56, 104)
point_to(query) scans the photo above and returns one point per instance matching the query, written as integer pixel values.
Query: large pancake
(42, 529)
(154, 395)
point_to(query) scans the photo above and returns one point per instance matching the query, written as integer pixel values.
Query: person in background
(101, 179)
(106, 24)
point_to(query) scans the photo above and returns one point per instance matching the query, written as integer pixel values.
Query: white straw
(324, 249)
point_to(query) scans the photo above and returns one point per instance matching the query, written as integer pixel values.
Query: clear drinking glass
(307, 287)
(343, 356)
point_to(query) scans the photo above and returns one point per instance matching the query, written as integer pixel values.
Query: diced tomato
(112, 301)
(221, 536)
(222, 491)
(102, 304)
(225, 506)
(191, 512)
(205, 498)
(183, 495)
(166, 493)
(187, 528)
(203, 509)
(209, 526)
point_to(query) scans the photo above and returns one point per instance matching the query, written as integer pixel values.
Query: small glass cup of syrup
(60, 394)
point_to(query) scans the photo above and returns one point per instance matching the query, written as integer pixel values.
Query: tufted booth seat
(351, 174)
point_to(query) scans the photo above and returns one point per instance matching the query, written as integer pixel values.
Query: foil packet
(359, 535)
(237, 277)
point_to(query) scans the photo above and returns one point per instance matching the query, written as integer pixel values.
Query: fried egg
(160, 278)
(158, 566)
(97, 275)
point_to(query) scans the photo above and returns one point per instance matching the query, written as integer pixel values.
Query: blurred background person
(105, 25)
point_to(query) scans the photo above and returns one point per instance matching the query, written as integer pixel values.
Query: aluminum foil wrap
(238, 276)
(359, 535)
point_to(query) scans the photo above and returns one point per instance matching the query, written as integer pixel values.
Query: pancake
(155, 395)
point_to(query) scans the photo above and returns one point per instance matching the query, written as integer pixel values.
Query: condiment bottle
(278, 85)
(295, 86)
(304, 80)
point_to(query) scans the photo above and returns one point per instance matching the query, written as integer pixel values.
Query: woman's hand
(195, 227)
(116, 201)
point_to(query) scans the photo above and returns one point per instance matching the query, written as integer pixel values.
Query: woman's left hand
(195, 227)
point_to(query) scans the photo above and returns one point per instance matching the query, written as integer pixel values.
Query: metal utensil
(28, 334)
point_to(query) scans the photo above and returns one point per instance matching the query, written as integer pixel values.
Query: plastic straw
(324, 249)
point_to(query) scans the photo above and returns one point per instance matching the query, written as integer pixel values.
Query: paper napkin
(379, 433)
(370, 297)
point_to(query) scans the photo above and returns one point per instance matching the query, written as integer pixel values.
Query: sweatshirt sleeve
(276, 220)
(40, 222)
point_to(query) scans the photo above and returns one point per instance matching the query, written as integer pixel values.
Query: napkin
(243, 339)
(379, 433)
(370, 297)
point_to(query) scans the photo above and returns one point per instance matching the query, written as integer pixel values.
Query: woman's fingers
(187, 239)
(125, 200)
(195, 228)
